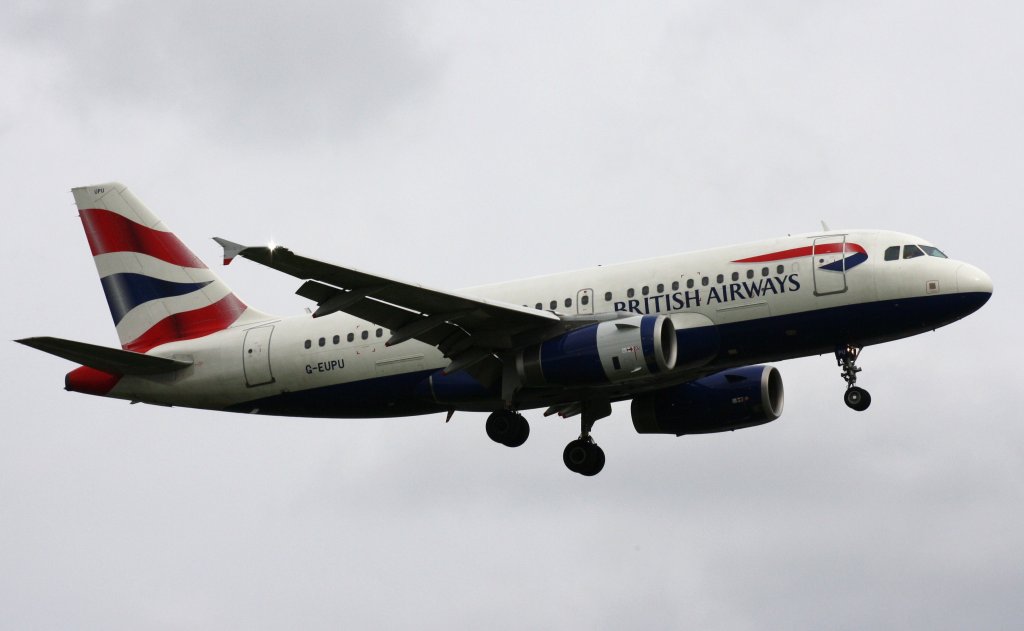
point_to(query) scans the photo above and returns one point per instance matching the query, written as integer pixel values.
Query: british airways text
(728, 292)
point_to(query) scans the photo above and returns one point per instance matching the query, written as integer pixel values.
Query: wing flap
(454, 323)
(413, 297)
(110, 360)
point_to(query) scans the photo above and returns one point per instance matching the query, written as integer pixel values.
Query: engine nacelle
(724, 401)
(607, 352)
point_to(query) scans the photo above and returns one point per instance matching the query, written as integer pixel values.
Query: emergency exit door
(585, 302)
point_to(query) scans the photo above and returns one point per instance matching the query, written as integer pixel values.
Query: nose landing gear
(856, 398)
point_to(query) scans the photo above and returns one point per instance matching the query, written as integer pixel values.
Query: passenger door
(828, 265)
(256, 356)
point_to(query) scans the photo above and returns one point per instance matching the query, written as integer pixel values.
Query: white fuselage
(759, 310)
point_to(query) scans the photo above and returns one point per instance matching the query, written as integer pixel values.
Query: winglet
(231, 249)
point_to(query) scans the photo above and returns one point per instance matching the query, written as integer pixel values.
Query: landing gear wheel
(857, 398)
(521, 434)
(584, 457)
(507, 428)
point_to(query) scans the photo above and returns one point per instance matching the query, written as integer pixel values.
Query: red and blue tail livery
(157, 289)
(684, 338)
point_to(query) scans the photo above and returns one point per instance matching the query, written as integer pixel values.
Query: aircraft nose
(971, 280)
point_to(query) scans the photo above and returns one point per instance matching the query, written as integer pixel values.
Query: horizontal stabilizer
(110, 360)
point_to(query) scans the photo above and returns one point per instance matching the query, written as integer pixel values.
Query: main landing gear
(583, 455)
(855, 398)
(508, 428)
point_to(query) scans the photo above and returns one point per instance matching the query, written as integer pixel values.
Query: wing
(467, 330)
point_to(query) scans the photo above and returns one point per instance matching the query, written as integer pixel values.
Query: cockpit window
(912, 251)
(931, 250)
(893, 253)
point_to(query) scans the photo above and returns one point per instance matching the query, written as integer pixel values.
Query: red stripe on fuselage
(90, 381)
(824, 248)
(190, 324)
(110, 232)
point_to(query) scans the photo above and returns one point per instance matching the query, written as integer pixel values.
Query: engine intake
(607, 352)
(724, 401)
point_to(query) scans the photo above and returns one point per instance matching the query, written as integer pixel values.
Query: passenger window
(661, 288)
(585, 300)
(351, 337)
(607, 296)
(689, 283)
(893, 253)
(380, 332)
(308, 344)
(539, 306)
(735, 275)
(365, 335)
(750, 273)
(720, 279)
(568, 302)
(322, 341)
(337, 338)
(630, 293)
(912, 252)
(764, 271)
(780, 269)
(705, 280)
(675, 285)
(554, 305)
(646, 290)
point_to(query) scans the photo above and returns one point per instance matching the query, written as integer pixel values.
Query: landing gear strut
(508, 428)
(583, 455)
(855, 398)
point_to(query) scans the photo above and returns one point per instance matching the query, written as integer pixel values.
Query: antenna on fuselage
(824, 226)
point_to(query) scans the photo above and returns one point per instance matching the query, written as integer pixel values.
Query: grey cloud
(257, 72)
(532, 142)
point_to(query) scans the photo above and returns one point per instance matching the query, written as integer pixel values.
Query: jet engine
(724, 401)
(607, 352)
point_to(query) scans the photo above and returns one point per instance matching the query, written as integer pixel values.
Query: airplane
(685, 337)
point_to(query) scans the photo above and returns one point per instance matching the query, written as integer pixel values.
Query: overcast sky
(461, 143)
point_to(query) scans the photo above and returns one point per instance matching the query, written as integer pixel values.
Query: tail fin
(158, 291)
